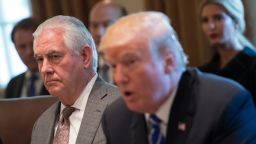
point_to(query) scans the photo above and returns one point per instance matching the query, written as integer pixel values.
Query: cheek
(150, 79)
(205, 28)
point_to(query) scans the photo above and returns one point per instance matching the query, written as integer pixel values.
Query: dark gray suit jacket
(214, 110)
(90, 131)
(14, 87)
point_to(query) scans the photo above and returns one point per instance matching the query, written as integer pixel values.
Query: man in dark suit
(163, 102)
(67, 61)
(22, 85)
(102, 15)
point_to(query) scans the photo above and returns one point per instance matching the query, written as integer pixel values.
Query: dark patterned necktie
(31, 91)
(156, 137)
(62, 133)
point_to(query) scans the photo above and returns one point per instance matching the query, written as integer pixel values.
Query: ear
(169, 63)
(87, 56)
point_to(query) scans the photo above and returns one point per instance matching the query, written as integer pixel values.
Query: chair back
(17, 117)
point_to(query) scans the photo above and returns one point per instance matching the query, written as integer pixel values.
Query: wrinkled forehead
(49, 38)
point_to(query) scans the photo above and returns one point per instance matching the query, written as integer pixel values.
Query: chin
(54, 91)
(217, 45)
(134, 107)
(138, 108)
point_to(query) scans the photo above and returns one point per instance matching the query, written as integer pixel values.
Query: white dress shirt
(26, 83)
(163, 113)
(77, 116)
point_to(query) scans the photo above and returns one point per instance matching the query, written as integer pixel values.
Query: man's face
(100, 18)
(60, 67)
(139, 72)
(23, 41)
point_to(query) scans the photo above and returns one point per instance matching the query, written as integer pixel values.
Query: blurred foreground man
(163, 102)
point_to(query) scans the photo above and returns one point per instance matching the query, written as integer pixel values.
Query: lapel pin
(182, 126)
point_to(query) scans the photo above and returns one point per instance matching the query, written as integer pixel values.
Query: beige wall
(1, 93)
(250, 19)
(132, 5)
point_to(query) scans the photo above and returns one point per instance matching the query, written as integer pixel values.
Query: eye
(218, 17)
(55, 57)
(130, 62)
(21, 47)
(94, 25)
(204, 20)
(39, 59)
(112, 66)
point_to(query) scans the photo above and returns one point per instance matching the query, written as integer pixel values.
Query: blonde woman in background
(223, 25)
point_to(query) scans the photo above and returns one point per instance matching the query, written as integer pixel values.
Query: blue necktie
(156, 137)
(31, 91)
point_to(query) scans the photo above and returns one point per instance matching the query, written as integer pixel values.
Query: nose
(45, 67)
(212, 25)
(120, 75)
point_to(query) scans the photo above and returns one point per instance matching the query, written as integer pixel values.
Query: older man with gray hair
(67, 61)
(163, 101)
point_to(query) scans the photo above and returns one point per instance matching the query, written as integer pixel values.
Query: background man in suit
(22, 85)
(102, 15)
(163, 101)
(67, 61)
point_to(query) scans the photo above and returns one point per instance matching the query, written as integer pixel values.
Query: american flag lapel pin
(182, 126)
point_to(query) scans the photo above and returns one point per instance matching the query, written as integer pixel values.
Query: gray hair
(153, 26)
(75, 36)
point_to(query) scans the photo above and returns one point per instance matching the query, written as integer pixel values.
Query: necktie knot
(33, 77)
(67, 112)
(62, 133)
(154, 119)
(156, 137)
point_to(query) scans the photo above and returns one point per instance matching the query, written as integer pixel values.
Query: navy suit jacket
(14, 87)
(214, 110)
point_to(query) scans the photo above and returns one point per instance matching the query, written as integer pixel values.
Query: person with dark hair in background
(28, 83)
(234, 56)
(67, 61)
(163, 102)
(102, 15)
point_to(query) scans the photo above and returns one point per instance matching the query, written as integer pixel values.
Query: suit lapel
(19, 85)
(93, 113)
(139, 130)
(49, 124)
(183, 110)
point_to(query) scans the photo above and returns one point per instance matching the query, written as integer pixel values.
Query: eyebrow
(49, 52)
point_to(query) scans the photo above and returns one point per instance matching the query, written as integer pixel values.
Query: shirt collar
(164, 111)
(29, 73)
(81, 102)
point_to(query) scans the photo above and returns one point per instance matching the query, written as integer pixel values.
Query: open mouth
(127, 94)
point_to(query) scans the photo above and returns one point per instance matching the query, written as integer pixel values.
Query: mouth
(214, 36)
(127, 94)
(50, 82)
